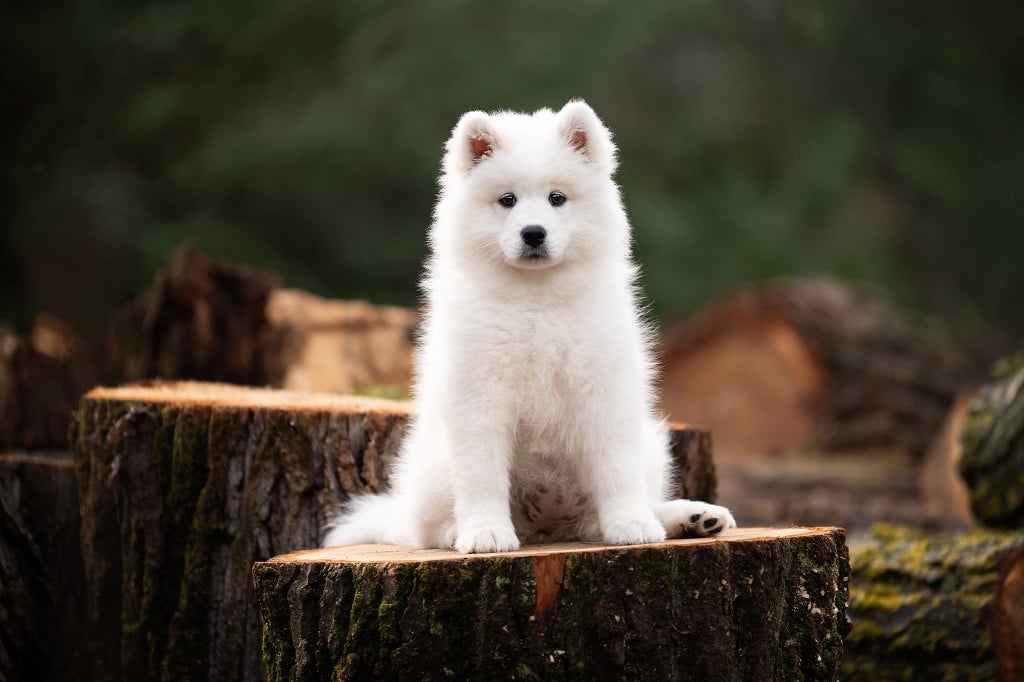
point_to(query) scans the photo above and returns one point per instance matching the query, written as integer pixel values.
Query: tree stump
(42, 546)
(42, 376)
(184, 485)
(201, 319)
(993, 456)
(756, 604)
(922, 605)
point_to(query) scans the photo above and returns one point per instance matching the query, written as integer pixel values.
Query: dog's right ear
(472, 139)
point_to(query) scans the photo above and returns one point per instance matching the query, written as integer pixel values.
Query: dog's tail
(368, 518)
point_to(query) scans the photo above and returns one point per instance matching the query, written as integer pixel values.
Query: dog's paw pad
(712, 520)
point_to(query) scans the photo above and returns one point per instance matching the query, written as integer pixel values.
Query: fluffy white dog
(534, 417)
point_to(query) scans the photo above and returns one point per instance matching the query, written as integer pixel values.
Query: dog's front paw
(487, 539)
(637, 529)
(686, 517)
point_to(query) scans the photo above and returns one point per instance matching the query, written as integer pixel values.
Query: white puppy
(534, 416)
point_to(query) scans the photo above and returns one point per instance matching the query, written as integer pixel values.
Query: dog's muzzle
(533, 237)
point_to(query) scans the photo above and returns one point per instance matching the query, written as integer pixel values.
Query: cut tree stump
(201, 319)
(754, 603)
(39, 497)
(184, 485)
(42, 375)
(924, 605)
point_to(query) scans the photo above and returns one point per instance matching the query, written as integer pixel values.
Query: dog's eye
(556, 198)
(507, 200)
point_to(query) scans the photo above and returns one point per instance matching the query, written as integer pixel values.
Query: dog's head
(531, 191)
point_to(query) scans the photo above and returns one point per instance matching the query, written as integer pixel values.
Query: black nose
(533, 235)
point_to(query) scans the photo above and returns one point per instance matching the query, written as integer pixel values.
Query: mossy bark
(42, 581)
(754, 604)
(184, 485)
(921, 605)
(993, 455)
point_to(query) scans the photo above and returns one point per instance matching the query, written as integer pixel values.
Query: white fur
(534, 408)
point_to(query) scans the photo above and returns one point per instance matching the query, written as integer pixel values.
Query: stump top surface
(230, 395)
(363, 554)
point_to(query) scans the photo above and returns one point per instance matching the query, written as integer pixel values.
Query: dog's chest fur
(548, 361)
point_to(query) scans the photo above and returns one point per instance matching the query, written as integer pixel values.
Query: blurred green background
(881, 142)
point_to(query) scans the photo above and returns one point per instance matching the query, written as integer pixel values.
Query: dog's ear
(582, 130)
(472, 139)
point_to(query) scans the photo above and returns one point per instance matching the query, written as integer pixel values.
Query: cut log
(922, 604)
(38, 493)
(217, 321)
(993, 437)
(184, 485)
(752, 604)
(316, 344)
(1008, 616)
(794, 362)
(42, 375)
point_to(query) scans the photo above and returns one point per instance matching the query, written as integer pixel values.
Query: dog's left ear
(583, 131)
(473, 138)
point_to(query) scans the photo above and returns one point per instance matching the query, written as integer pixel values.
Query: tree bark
(922, 604)
(42, 375)
(992, 462)
(758, 604)
(40, 500)
(1008, 616)
(184, 485)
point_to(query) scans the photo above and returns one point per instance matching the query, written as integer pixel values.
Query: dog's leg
(481, 459)
(618, 481)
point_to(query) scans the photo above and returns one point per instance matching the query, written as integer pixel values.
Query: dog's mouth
(534, 257)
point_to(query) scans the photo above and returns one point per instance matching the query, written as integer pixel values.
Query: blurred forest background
(875, 141)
